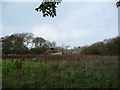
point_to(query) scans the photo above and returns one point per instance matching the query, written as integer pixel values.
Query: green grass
(64, 72)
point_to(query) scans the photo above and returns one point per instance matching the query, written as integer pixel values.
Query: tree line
(106, 47)
(27, 43)
(24, 43)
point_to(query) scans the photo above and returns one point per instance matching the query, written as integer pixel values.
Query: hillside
(106, 47)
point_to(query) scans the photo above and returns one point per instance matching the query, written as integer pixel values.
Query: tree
(6, 45)
(19, 44)
(0, 46)
(39, 42)
(15, 44)
(38, 50)
(49, 44)
(107, 47)
(53, 44)
(26, 37)
(118, 3)
(48, 8)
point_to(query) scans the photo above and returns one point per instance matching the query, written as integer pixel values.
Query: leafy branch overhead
(48, 8)
(118, 3)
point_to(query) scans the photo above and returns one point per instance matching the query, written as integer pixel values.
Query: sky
(76, 23)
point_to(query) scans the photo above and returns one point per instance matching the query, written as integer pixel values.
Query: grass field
(61, 71)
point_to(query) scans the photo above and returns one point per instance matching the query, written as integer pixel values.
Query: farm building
(51, 50)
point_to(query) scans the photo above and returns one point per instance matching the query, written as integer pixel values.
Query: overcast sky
(76, 24)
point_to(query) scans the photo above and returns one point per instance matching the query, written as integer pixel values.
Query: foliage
(118, 3)
(107, 47)
(39, 41)
(66, 71)
(39, 50)
(13, 44)
(24, 43)
(48, 8)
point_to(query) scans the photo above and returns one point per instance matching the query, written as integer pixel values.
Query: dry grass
(61, 71)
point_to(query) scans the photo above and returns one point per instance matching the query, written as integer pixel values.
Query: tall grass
(61, 71)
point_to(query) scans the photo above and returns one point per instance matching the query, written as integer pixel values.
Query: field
(61, 71)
